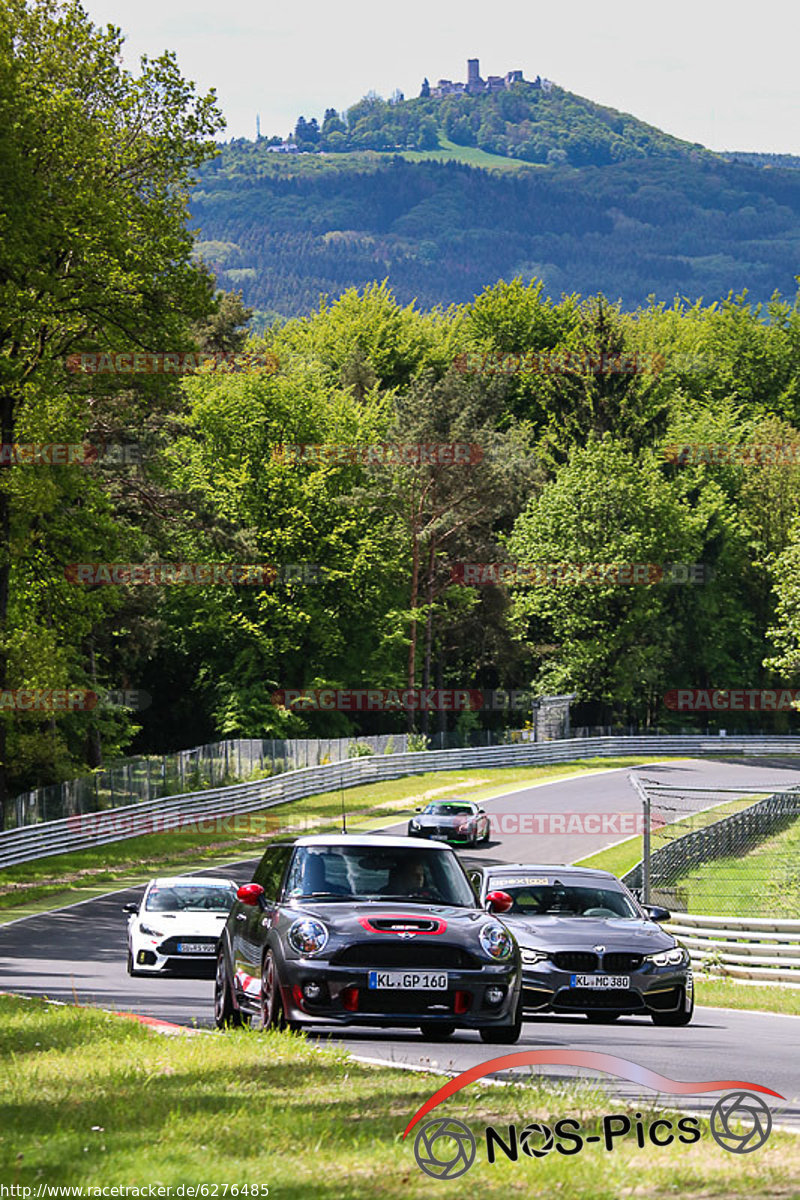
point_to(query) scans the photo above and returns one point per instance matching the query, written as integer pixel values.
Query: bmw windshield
(345, 873)
(565, 900)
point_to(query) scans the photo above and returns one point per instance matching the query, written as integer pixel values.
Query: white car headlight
(148, 929)
(530, 956)
(496, 941)
(669, 958)
(308, 936)
(414, 824)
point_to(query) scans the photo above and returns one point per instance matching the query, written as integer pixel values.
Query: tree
(96, 252)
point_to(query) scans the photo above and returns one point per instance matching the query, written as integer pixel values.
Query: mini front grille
(411, 953)
(616, 963)
(575, 960)
(405, 1003)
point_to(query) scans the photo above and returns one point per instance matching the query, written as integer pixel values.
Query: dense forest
(287, 229)
(657, 435)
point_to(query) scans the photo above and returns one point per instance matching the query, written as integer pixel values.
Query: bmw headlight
(308, 936)
(496, 941)
(530, 957)
(148, 929)
(676, 957)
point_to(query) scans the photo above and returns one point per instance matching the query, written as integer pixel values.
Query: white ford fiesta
(178, 923)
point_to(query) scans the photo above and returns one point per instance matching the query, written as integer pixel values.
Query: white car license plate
(600, 981)
(410, 981)
(439, 837)
(196, 947)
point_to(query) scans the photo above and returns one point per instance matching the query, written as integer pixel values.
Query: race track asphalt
(78, 954)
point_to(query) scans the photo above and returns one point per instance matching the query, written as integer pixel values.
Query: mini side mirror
(131, 908)
(657, 912)
(250, 893)
(499, 902)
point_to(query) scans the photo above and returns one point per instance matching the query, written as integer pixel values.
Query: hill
(445, 194)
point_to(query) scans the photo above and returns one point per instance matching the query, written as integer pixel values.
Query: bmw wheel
(225, 1013)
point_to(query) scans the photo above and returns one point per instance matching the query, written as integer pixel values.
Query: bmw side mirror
(656, 912)
(131, 908)
(250, 893)
(499, 902)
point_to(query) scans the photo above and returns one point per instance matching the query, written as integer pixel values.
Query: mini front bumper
(545, 988)
(344, 996)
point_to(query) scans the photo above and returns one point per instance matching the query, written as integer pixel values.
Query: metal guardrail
(112, 825)
(766, 950)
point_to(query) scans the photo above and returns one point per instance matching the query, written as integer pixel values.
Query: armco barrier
(78, 833)
(764, 949)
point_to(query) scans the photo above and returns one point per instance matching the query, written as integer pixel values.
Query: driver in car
(409, 878)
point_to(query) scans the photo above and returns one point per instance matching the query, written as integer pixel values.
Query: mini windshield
(334, 873)
(566, 900)
(182, 897)
(442, 809)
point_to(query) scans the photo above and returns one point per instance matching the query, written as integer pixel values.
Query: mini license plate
(600, 981)
(196, 947)
(410, 981)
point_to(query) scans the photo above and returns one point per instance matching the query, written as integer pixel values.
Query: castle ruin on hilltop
(475, 86)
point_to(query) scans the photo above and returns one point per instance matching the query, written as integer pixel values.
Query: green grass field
(88, 1099)
(765, 882)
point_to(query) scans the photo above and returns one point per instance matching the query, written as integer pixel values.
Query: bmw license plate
(600, 981)
(196, 947)
(411, 981)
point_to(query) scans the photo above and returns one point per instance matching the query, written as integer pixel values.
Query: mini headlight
(669, 958)
(530, 956)
(496, 941)
(148, 929)
(308, 936)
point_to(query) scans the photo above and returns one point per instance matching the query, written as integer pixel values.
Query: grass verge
(90, 1100)
(63, 878)
(729, 993)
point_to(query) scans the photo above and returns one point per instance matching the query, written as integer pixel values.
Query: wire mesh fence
(131, 781)
(719, 852)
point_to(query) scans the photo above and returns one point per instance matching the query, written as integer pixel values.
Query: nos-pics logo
(446, 1148)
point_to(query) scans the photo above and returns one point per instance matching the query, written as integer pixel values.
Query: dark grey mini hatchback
(367, 930)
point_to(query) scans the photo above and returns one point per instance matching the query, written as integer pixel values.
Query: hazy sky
(704, 70)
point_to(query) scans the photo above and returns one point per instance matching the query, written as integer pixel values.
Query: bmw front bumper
(545, 988)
